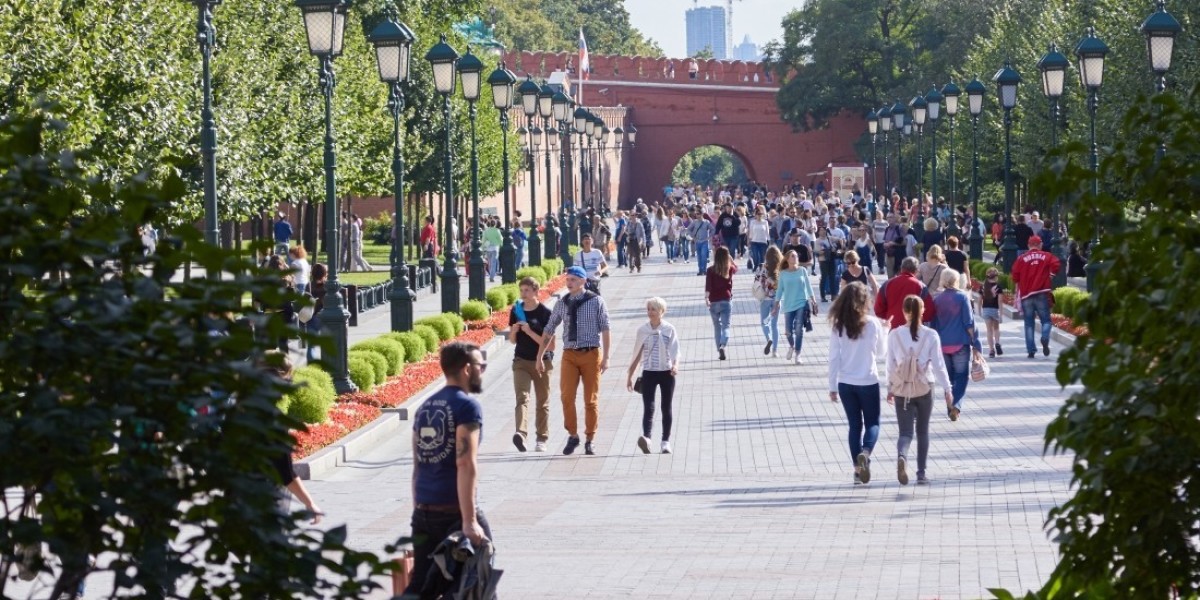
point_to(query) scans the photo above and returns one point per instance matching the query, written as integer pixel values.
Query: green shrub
(429, 336)
(553, 267)
(496, 299)
(362, 371)
(391, 349)
(538, 273)
(1067, 301)
(512, 290)
(574, 250)
(456, 320)
(414, 346)
(444, 327)
(313, 397)
(475, 310)
(379, 363)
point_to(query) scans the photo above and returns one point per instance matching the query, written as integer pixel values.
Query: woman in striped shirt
(656, 348)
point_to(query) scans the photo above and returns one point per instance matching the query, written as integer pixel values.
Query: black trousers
(651, 380)
(429, 528)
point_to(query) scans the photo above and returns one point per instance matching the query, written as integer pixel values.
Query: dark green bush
(476, 310)
(379, 363)
(428, 335)
(391, 349)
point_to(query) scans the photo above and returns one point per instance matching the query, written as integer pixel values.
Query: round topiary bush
(553, 267)
(429, 335)
(391, 349)
(362, 371)
(414, 346)
(537, 273)
(496, 299)
(476, 310)
(379, 363)
(456, 320)
(313, 397)
(513, 292)
(443, 327)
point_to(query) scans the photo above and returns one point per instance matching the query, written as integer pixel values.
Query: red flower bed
(1068, 326)
(344, 418)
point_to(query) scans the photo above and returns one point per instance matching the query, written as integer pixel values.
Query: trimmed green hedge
(443, 326)
(496, 299)
(979, 269)
(512, 291)
(552, 267)
(313, 397)
(362, 371)
(429, 335)
(538, 273)
(414, 346)
(379, 363)
(457, 320)
(391, 349)
(475, 310)
(1067, 301)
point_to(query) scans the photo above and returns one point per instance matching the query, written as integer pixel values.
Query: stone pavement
(757, 500)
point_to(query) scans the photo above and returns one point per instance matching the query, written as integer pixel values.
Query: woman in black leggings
(657, 350)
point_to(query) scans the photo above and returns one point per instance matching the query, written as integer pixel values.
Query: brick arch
(746, 164)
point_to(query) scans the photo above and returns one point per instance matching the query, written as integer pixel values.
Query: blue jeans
(828, 278)
(685, 248)
(670, 249)
(720, 312)
(702, 255)
(861, 403)
(769, 322)
(958, 365)
(1036, 306)
(493, 262)
(758, 253)
(731, 242)
(621, 254)
(794, 320)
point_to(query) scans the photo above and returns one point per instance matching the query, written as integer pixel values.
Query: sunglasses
(482, 366)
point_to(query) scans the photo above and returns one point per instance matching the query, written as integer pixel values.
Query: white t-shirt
(591, 261)
(853, 362)
(660, 347)
(760, 230)
(302, 270)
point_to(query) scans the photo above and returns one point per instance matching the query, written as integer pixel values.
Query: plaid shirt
(593, 319)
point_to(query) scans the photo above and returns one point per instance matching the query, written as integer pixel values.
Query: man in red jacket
(1031, 276)
(889, 303)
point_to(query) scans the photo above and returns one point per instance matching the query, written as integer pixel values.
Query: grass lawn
(364, 278)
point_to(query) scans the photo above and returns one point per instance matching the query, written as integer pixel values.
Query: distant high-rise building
(706, 30)
(747, 51)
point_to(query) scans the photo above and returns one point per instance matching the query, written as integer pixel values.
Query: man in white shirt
(592, 261)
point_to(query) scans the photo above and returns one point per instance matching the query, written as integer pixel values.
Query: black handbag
(637, 385)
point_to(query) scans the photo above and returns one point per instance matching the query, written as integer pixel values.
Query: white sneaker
(775, 354)
(791, 353)
(798, 360)
(666, 447)
(539, 447)
(644, 444)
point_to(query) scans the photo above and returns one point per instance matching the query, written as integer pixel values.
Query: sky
(663, 20)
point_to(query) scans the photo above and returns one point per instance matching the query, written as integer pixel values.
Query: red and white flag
(585, 65)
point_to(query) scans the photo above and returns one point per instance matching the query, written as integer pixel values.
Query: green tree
(114, 381)
(709, 165)
(705, 54)
(553, 26)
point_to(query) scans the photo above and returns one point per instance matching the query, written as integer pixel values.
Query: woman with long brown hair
(768, 279)
(718, 295)
(857, 342)
(914, 352)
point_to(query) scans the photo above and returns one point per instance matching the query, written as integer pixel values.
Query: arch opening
(711, 166)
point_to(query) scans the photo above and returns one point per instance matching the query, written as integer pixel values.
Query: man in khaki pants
(527, 320)
(585, 355)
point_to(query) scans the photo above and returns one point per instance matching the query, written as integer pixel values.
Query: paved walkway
(757, 500)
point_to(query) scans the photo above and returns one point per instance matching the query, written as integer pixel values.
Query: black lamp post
(1090, 53)
(1053, 66)
(1160, 29)
(899, 118)
(206, 35)
(444, 59)
(559, 111)
(951, 92)
(920, 112)
(934, 99)
(324, 26)
(503, 83)
(528, 91)
(470, 70)
(580, 118)
(545, 109)
(975, 91)
(885, 124)
(393, 50)
(605, 137)
(873, 129)
(1007, 80)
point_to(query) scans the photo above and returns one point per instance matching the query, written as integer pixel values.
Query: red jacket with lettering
(1032, 272)
(889, 303)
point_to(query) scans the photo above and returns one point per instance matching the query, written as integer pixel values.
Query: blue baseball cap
(577, 272)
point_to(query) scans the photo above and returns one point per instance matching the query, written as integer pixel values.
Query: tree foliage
(709, 165)
(553, 26)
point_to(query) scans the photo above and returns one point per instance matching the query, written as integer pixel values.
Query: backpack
(908, 380)
(757, 289)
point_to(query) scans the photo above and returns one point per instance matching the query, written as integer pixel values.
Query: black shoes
(767, 350)
(519, 441)
(721, 353)
(1045, 348)
(999, 350)
(589, 449)
(572, 444)
(1031, 354)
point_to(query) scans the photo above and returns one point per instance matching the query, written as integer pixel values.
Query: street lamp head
(558, 106)
(443, 59)
(631, 131)
(920, 109)
(536, 135)
(934, 98)
(951, 92)
(975, 91)
(885, 118)
(872, 122)
(1054, 71)
(580, 117)
(1007, 80)
(589, 124)
(324, 25)
(546, 101)
(552, 136)
(470, 69)
(529, 91)
(618, 136)
(1090, 53)
(1160, 29)
(908, 127)
(605, 135)
(597, 128)
(899, 115)
(393, 48)
(502, 82)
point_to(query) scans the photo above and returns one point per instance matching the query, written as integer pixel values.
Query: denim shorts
(991, 314)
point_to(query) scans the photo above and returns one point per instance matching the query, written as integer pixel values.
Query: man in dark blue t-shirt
(446, 433)
(283, 234)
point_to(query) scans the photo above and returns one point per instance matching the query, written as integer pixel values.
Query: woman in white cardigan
(856, 344)
(914, 359)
